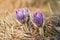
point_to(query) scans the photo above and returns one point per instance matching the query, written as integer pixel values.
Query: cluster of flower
(23, 14)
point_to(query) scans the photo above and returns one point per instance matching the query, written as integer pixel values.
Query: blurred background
(12, 5)
(42, 5)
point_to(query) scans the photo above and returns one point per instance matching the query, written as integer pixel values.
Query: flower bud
(19, 14)
(22, 15)
(38, 17)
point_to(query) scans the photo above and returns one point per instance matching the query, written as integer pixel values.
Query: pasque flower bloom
(38, 17)
(23, 16)
(21, 13)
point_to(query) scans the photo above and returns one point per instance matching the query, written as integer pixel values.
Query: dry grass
(12, 29)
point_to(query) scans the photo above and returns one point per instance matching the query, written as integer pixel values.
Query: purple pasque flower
(19, 14)
(25, 10)
(22, 13)
(38, 17)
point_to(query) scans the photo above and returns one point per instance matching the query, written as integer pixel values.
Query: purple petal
(25, 10)
(37, 17)
(19, 14)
